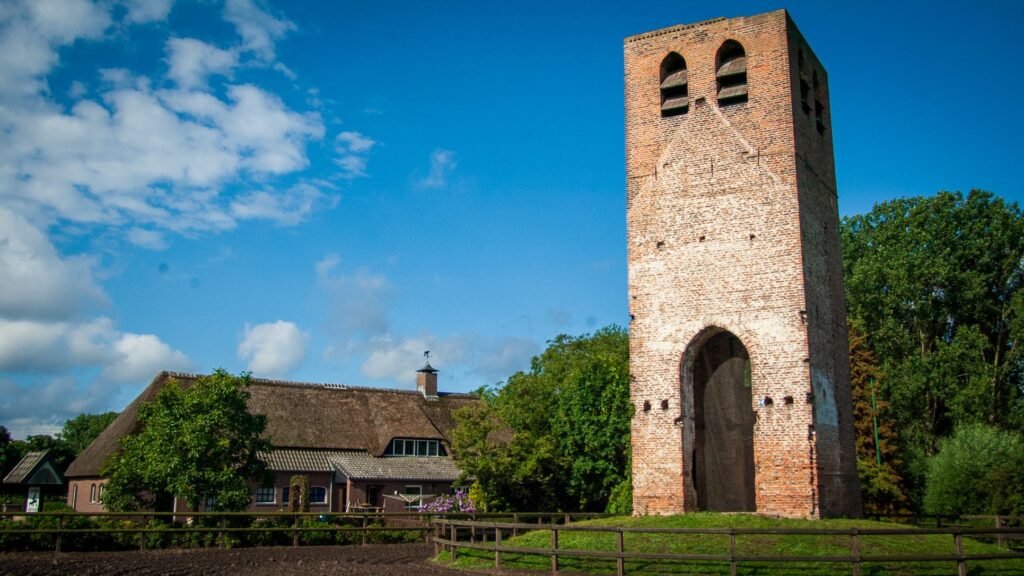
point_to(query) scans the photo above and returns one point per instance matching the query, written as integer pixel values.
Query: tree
(81, 430)
(878, 461)
(196, 443)
(935, 284)
(7, 452)
(979, 470)
(556, 437)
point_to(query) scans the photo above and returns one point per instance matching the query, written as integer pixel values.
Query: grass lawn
(753, 545)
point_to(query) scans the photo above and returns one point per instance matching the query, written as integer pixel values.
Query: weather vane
(426, 354)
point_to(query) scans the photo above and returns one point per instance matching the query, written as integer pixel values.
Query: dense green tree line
(933, 290)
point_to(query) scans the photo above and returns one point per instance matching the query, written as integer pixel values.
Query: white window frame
(92, 493)
(273, 495)
(415, 447)
(419, 492)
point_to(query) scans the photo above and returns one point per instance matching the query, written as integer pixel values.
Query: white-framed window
(103, 488)
(317, 495)
(265, 495)
(92, 493)
(411, 447)
(410, 492)
(74, 496)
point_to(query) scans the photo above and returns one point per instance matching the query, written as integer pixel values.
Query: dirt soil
(397, 559)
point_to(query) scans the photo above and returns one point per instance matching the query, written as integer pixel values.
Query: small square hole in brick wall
(664, 404)
(788, 400)
(647, 405)
(701, 239)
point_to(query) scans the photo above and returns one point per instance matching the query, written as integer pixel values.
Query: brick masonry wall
(733, 225)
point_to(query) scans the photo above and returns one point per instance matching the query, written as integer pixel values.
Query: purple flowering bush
(460, 502)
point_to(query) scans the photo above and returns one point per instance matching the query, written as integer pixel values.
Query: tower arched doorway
(719, 420)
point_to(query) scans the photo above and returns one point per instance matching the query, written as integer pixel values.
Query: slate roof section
(363, 466)
(296, 460)
(306, 416)
(27, 471)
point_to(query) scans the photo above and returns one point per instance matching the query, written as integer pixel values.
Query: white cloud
(191, 61)
(36, 282)
(147, 158)
(352, 148)
(147, 238)
(354, 142)
(64, 21)
(139, 357)
(49, 347)
(30, 33)
(284, 208)
(273, 349)
(144, 11)
(258, 28)
(442, 163)
(398, 360)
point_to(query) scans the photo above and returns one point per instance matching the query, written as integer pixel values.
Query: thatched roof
(317, 416)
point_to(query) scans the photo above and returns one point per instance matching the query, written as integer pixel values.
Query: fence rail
(141, 523)
(447, 532)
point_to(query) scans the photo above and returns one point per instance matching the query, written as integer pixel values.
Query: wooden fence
(220, 523)
(451, 535)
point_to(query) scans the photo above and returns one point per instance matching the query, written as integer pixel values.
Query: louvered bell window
(731, 74)
(675, 96)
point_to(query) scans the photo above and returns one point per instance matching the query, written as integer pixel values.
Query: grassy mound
(752, 545)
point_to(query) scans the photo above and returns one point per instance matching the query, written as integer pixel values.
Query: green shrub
(620, 502)
(979, 470)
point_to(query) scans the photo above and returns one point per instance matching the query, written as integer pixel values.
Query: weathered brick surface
(733, 225)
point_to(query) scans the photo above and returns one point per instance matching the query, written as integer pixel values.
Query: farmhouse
(361, 448)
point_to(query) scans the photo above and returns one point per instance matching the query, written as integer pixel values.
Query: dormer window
(414, 447)
(675, 96)
(731, 73)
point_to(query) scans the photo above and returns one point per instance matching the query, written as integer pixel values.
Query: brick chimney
(426, 381)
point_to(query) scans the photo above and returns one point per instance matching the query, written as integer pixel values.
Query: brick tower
(738, 345)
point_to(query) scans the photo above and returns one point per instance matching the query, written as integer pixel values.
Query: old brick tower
(738, 346)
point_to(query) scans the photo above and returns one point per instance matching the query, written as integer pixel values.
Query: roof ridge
(324, 385)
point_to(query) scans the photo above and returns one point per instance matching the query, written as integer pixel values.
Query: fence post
(961, 564)
(60, 529)
(220, 532)
(453, 531)
(620, 547)
(554, 549)
(142, 532)
(295, 532)
(855, 551)
(515, 520)
(732, 552)
(472, 534)
(497, 548)
(1000, 537)
(364, 529)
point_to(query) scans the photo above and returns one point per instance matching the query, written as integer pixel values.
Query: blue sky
(319, 191)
